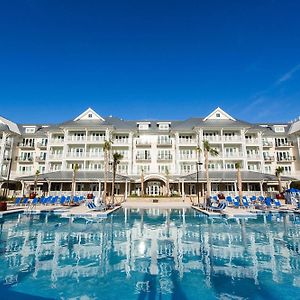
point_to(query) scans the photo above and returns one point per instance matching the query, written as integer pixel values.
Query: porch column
(99, 185)
(126, 190)
(202, 189)
(182, 187)
(235, 187)
(49, 187)
(179, 187)
(261, 188)
(23, 187)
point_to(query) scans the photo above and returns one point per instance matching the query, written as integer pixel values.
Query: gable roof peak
(89, 114)
(219, 114)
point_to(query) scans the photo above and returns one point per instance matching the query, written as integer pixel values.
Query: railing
(141, 157)
(42, 145)
(56, 156)
(232, 139)
(98, 139)
(121, 141)
(98, 155)
(212, 138)
(164, 157)
(269, 158)
(187, 156)
(41, 159)
(25, 145)
(252, 141)
(267, 144)
(164, 142)
(75, 155)
(187, 141)
(76, 138)
(253, 156)
(56, 141)
(233, 155)
(25, 159)
(286, 159)
(287, 144)
(142, 143)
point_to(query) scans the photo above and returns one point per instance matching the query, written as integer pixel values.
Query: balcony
(143, 158)
(281, 145)
(76, 155)
(187, 141)
(42, 145)
(26, 145)
(76, 139)
(253, 141)
(164, 142)
(286, 159)
(95, 155)
(269, 158)
(232, 139)
(267, 144)
(213, 139)
(40, 159)
(164, 157)
(253, 156)
(120, 142)
(25, 159)
(56, 141)
(94, 139)
(187, 157)
(142, 143)
(55, 156)
(233, 155)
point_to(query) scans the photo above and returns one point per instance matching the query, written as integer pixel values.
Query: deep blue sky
(149, 59)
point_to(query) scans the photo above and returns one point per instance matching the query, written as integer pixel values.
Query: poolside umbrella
(142, 183)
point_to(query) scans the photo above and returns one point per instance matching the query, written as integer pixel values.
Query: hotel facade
(158, 153)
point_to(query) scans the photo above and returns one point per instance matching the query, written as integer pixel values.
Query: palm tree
(106, 149)
(75, 169)
(116, 160)
(278, 172)
(239, 182)
(208, 150)
(36, 178)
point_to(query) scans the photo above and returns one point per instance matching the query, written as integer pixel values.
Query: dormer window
(143, 126)
(279, 129)
(163, 126)
(30, 130)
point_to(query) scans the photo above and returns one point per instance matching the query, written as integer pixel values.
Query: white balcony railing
(80, 139)
(187, 141)
(233, 155)
(252, 141)
(96, 139)
(56, 156)
(56, 141)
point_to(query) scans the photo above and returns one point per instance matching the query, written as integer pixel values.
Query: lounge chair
(229, 199)
(220, 207)
(92, 206)
(54, 200)
(277, 203)
(62, 200)
(236, 202)
(245, 202)
(34, 202)
(25, 201)
(18, 201)
(268, 202)
(47, 200)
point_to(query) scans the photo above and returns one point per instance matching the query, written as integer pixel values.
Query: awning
(81, 176)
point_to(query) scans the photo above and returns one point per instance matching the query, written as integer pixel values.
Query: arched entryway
(155, 185)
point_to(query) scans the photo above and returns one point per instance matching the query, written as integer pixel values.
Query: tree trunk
(105, 176)
(113, 184)
(240, 186)
(208, 184)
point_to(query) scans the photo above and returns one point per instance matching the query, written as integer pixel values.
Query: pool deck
(158, 205)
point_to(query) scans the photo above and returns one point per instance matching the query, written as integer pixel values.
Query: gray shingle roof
(226, 176)
(81, 176)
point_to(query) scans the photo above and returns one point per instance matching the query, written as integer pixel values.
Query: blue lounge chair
(277, 203)
(62, 200)
(261, 198)
(229, 199)
(54, 200)
(35, 201)
(236, 202)
(42, 200)
(245, 202)
(92, 206)
(18, 201)
(220, 207)
(47, 200)
(68, 199)
(25, 201)
(268, 202)
(253, 198)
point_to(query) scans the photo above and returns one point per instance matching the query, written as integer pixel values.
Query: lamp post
(198, 164)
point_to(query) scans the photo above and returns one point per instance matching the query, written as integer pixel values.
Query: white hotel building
(164, 151)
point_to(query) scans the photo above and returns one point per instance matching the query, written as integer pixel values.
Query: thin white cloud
(288, 75)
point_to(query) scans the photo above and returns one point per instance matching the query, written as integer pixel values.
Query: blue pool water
(150, 254)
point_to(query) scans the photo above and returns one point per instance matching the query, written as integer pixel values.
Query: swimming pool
(150, 254)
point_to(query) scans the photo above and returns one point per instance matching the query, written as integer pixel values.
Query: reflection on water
(150, 254)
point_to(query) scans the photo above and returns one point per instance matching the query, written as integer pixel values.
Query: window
(279, 129)
(90, 115)
(218, 115)
(163, 126)
(30, 130)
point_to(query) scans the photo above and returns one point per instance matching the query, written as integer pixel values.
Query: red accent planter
(3, 206)
(89, 196)
(32, 195)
